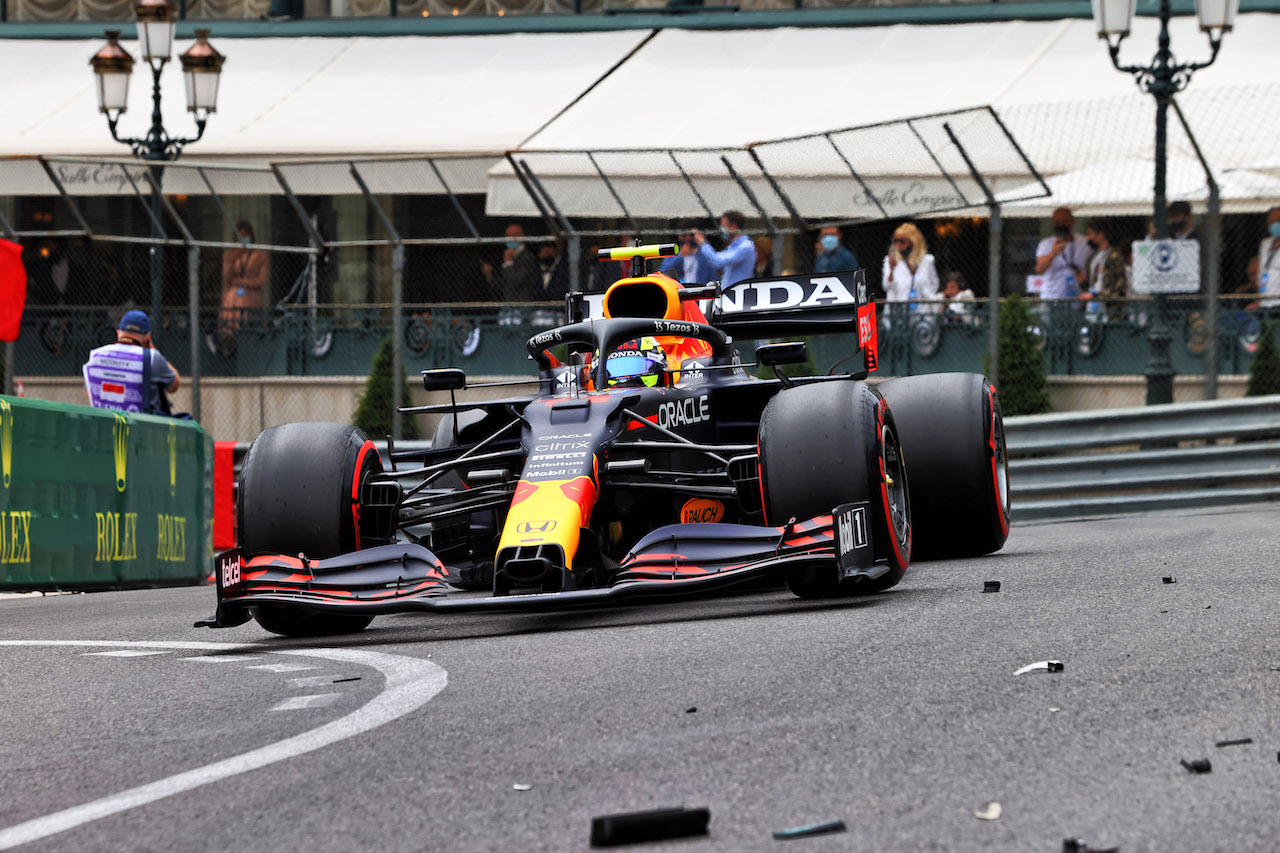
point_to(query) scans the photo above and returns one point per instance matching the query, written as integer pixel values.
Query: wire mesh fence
(277, 285)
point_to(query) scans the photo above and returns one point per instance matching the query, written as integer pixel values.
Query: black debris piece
(655, 825)
(692, 709)
(1168, 579)
(824, 828)
(1078, 845)
(1237, 742)
(991, 586)
(1197, 765)
(343, 680)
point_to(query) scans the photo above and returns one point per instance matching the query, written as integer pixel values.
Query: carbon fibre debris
(807, 830)
(655, 825)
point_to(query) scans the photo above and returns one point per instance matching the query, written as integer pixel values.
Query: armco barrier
(93, 498)
(1175, 456)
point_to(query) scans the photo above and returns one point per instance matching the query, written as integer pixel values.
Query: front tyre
(830, 443)
(300, 489)
(952, 431)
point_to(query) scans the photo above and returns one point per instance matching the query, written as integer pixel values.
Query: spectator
(521, 274)
(1269, 261)
(244, 278)
(688, 267)
(764, 257)
(831, 255)
(1108, 274)
(553, 274)
(1180, 227)
(738, 260)
(55, 277)
(908, 267)
(130, 375)
(957, 299)
(1248, 286)
(1062, 259)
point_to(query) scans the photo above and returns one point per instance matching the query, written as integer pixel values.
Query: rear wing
(818, 304)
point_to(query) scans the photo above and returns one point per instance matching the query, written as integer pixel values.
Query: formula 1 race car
(648, 463)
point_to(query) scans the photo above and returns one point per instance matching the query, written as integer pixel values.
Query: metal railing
(1182, 455)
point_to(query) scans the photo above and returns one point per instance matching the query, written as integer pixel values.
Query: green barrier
(96, 499)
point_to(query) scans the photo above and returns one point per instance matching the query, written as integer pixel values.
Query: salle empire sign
(118, 537)
(914, 197)
(105, 175)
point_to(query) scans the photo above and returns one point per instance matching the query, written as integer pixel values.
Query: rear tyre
(830, 443)
(300, 491)
(952, 431)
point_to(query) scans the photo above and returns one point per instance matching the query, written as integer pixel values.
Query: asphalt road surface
(126, 729)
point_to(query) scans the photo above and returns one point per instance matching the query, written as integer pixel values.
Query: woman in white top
(909, 265)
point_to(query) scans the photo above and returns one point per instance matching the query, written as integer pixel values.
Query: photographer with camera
(1062, 259)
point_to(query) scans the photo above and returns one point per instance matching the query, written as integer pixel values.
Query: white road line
(298, 703)
(282, 667)
(124, 653)
(408, 684)
(312, 681)
(223, 658)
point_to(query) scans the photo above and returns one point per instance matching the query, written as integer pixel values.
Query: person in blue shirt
(832, 256)
(689, 267)
(738, 260)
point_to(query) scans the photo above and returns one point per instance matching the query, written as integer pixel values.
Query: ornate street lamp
(1162, 79)
(201, 67)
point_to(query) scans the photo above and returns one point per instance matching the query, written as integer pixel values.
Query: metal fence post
(1211, 263)
(397, 298)
(995, 246)
(397, 335)
(9, 353)
(193, 323)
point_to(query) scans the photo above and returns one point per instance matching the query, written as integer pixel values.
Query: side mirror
(772, 355)
(446, 379)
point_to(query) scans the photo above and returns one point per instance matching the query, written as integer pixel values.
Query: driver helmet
(637, 363)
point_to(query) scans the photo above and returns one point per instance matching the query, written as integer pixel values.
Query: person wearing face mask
(1062, 259)
(1269, 261)
(908, 266)
(554, 275)
(831, 255)
(521, 274)
(1108, 274)
(738, 259)
(244, 279)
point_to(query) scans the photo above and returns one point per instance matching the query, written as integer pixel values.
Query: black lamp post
(201, 67)
(1163, 79)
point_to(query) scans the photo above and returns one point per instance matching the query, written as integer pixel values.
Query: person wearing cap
(130, 374)
(1062, 259)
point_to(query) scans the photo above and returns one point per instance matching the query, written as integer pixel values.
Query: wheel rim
(1000, 463)
(895, 485)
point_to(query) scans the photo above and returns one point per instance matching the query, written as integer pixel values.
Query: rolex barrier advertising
(94, 498)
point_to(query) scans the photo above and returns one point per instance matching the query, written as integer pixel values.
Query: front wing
(676, 561)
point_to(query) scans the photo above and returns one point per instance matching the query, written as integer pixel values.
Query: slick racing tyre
(952, 432)
(830, 443)
(299, 493)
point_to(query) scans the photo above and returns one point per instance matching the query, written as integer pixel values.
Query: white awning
(1112, 188)
(1052, 84)
(316, 97)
